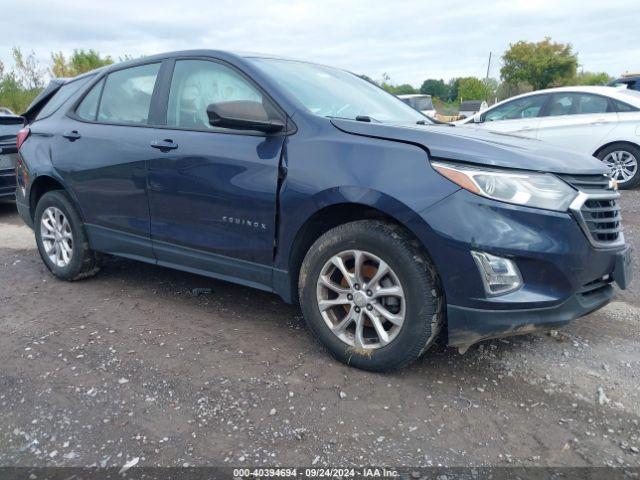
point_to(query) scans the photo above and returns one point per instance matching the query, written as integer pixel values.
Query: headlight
(538, 190)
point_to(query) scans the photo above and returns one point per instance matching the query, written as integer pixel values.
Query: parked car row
(599, 121)
(308, 181)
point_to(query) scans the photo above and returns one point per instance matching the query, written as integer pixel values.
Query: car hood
(481, 147)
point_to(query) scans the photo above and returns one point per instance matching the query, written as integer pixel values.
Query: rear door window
(126, 97)
(577, 104)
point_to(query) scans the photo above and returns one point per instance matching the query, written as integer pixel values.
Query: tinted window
(126, 97)
(88, 108)
(624, 107)
(526, 107)
(62, 95)
(196, 84)
(577, 104)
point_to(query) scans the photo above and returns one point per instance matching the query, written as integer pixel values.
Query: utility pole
(486, 80)
(488, 67)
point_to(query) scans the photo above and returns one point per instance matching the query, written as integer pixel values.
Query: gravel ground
(174, 369)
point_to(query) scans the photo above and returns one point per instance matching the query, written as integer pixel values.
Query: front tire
(370, 294)
(61, 239)
(623, 160)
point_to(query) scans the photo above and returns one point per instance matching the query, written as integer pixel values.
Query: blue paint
(232, 205)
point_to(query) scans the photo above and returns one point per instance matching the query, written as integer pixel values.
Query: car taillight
(22, 136)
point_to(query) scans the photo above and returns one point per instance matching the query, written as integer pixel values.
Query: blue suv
(307, 181)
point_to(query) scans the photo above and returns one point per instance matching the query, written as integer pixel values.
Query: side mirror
(477, 118)
(12, 120)
(242, 115)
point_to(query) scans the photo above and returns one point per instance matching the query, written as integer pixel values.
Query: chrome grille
(597, 209)
(603, 219)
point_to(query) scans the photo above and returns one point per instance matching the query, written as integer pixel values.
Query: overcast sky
(409, 39)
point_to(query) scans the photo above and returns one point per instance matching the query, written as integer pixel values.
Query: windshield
(330, 92)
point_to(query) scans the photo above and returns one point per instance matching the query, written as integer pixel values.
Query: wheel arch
(341, 211)
(42, 184)
(615, 142)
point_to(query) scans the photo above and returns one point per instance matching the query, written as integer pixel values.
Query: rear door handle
(72, 135)
(164, 145)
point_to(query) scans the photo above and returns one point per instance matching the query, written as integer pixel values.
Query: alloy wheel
(361, 299)
(623, 165)
(57, 238)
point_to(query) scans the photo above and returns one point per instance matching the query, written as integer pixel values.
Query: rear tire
(61, 239)
(624, 161)
(415, 295)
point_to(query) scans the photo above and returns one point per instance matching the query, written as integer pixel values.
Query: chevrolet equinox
(389, 229)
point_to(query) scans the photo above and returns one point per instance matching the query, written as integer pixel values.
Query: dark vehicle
(307, 181)
(631, 80)
(9, 126)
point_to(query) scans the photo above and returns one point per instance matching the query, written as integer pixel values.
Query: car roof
(414, 95)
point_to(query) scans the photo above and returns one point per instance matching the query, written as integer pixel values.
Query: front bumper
(467, 326)
(565, 276)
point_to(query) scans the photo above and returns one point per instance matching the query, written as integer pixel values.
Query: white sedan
(599, 121)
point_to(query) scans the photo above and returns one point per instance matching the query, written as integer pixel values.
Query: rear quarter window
(88, 108)
(64, 93)
(624, 107)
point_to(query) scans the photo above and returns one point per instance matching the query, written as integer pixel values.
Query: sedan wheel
(623, 165)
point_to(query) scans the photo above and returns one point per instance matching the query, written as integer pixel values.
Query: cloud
(409, 39)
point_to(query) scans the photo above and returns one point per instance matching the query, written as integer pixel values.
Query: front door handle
(72, 135)
(164, 145)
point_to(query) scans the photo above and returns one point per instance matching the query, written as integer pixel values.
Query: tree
(20, 85)
(452, 86)
(81, 61)
(13, 95)
(27, 70)
(402, 89)
(592, 78)
(507, 90)
(491, 87)
(435, 88)
(367, 78)
(543, 64)
(470, 88)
